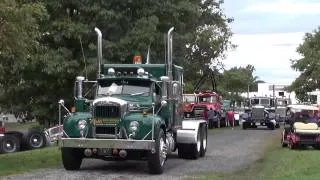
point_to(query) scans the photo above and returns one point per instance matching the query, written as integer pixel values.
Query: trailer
(14, 141)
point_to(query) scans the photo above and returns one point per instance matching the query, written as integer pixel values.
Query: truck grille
(105, 130)
(106, 111)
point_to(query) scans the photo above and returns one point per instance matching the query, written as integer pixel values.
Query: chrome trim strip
(107, 143)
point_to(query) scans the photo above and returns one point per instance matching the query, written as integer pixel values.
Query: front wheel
(157, 160)
(71, 158)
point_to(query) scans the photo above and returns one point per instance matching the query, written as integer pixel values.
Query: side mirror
(154, 97)
(175, 88)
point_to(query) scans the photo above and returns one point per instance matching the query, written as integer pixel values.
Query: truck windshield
(264, 101)
(189, 98)
(209, 99)
(260, 101)
(124, 87)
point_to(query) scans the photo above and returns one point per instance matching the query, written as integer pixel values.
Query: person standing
(211, 117)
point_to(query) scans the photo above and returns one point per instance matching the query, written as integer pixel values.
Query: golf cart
(301, 128)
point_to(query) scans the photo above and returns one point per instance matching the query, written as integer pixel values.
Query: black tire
(204, 136)
(10, 144)
(277, 125)
(34, 139)
(244, 125)
(182, 150)
(190, 151)
(283, 144)
(155, 161)
(71, 158)
(317, 147)
(271, 126)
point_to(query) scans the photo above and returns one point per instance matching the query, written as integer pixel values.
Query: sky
(268, 32)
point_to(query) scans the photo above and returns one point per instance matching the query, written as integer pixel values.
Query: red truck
(203, 101)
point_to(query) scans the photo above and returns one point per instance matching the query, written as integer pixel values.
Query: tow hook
(88, 152)
(123, 153)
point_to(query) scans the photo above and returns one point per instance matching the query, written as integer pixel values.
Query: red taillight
(2, 130)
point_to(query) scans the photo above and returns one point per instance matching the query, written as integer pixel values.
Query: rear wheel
(9, 144)
(71, 158)
(157, 160)
(283, 144)
(317, 147)
(244, 125)
(191, 151)
(35, 139)
(271, 126)
(204, 135)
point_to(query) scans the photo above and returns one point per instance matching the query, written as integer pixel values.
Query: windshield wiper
(139, 93)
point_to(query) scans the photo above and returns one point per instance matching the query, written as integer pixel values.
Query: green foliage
(27, 161)
(308, 66)
(237, 80)
(41, 50)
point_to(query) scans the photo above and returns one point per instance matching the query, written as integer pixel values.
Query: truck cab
(261, 112)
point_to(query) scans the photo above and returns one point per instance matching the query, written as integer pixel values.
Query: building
(270, 90)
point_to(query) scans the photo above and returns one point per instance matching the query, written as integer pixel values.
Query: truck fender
(189, 131)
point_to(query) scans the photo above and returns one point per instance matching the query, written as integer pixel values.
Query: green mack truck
(136, 114)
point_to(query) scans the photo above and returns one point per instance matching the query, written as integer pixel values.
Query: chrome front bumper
(107, 143)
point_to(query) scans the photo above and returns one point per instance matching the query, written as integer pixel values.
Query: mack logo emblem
(105, 121)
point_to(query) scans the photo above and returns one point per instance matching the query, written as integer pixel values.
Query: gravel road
(228, 150)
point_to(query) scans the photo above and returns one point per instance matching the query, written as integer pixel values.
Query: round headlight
(140, 71)
(111, 71)
(82, 124)
(133, 126)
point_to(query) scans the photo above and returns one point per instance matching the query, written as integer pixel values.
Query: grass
(26, 161)
(18, 126)
(276, 163)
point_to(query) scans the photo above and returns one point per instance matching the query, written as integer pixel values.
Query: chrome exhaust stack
(99, 50)
(169, 65)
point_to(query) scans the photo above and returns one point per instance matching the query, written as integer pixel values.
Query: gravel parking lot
(228, 150)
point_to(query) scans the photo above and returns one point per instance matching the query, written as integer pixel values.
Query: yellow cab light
(137, 58)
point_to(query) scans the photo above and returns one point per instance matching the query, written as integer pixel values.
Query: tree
(308, 66)
(236, 80)
(19, 42)
(127, 26)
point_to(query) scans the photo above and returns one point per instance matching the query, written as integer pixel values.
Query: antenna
(84, 58)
